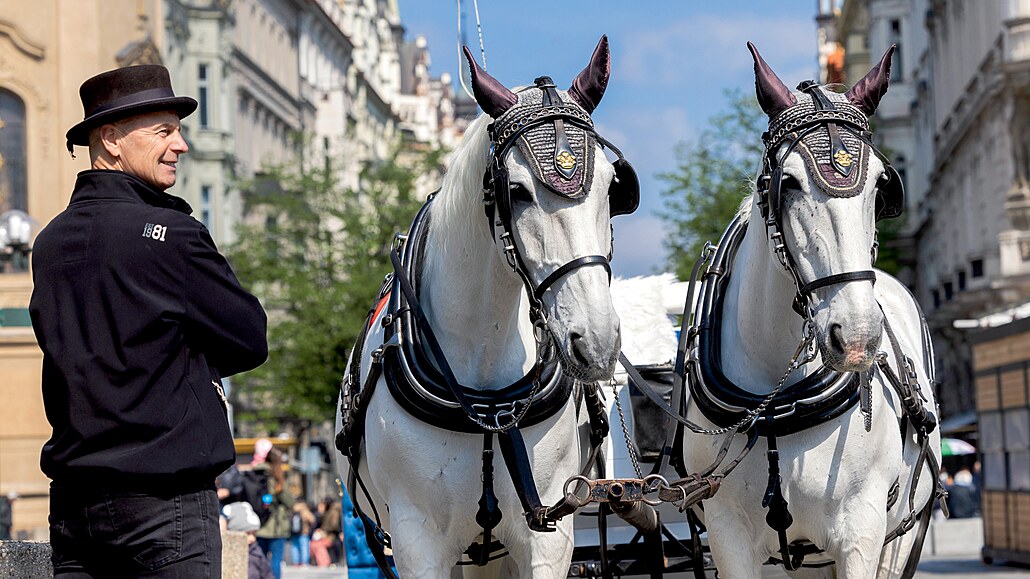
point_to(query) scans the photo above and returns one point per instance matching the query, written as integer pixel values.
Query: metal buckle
(509, 250)
(399, 240)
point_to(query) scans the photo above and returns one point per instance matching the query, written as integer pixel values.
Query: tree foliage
(713, 174)
(315, 254)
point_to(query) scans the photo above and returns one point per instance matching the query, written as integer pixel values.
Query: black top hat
(125, 92)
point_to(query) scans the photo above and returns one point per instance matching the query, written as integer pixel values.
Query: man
(139, 317)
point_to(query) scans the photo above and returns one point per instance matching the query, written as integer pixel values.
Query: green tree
(316, 253)
(713, 174)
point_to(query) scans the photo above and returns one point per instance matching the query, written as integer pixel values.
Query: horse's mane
(459, 205)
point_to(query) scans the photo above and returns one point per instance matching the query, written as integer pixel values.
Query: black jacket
(138, 317)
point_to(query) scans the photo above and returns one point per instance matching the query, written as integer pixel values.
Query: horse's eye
(519, 192)
(789, 183)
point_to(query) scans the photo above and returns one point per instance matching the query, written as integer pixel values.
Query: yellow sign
(565, 160)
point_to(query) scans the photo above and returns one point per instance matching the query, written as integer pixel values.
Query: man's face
(149, 147)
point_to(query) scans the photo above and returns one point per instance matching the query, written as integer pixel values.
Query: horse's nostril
(576, 340)
(836, 338)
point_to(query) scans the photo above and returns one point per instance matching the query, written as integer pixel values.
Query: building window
(961, 281)
(13, 174)
(894, 37)
(205, 206)
(936, 299)
(977, 265)
(901, 166)
(949, 290)
(202, 86)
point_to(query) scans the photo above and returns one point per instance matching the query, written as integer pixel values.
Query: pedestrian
(240, 516)
(320, 548)
(229, 485)
(139, 317)
(302, 522)
(7, 515)
(962, 497)
(332, 526)
(274, 533)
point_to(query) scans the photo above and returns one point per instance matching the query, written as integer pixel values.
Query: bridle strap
(837, 278)
(579, 262)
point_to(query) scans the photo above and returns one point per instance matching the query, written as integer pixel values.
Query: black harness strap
(376, 537)
(779, 518)
(430, 337)
(837, 278)
(513, 449)
(674, 432)
(489, 514)
(579, 262)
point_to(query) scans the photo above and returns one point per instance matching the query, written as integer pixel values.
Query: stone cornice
(30, 48)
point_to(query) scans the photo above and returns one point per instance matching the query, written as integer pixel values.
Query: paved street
(951, 551)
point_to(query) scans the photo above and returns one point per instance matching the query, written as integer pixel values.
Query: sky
(672, 61)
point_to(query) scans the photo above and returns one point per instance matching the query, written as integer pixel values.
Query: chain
(795, 120)
(625, 431)
(807, 348)
(514, 122)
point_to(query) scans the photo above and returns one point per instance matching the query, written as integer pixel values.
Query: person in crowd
(963, 501)
(240, 516)
(139, 317)
(275, 531)
(332, 526)
(302, 522)
(229, 485)
(320, 543)
(7, 515)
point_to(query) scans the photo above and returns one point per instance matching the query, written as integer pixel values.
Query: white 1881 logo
(155, 231)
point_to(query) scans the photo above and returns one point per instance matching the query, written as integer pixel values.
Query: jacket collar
(105, 184)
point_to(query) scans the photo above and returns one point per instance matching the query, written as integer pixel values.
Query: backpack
(255, 492)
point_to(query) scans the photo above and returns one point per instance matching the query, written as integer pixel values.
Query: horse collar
(414, 376)
(821, 396)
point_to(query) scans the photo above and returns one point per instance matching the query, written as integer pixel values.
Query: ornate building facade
(956, 122)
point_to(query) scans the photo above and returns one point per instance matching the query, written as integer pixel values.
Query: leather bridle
(623, 193)
(792, 130)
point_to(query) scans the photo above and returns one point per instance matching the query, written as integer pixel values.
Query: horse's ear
(866, 93)
(493, 97)
(773, 95)
(588, 86)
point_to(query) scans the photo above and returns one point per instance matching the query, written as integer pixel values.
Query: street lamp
(16, 228)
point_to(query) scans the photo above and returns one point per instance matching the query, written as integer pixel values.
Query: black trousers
(115, 535)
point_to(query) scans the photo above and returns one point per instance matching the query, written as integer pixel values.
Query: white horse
(836, 475)
(424, 481)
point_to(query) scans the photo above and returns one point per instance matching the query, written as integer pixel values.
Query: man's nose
(179, 145)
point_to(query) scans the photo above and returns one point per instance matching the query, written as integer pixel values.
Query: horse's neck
(759, 331)
(472, 300)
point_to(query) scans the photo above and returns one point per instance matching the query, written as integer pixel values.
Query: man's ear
(109, 135)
